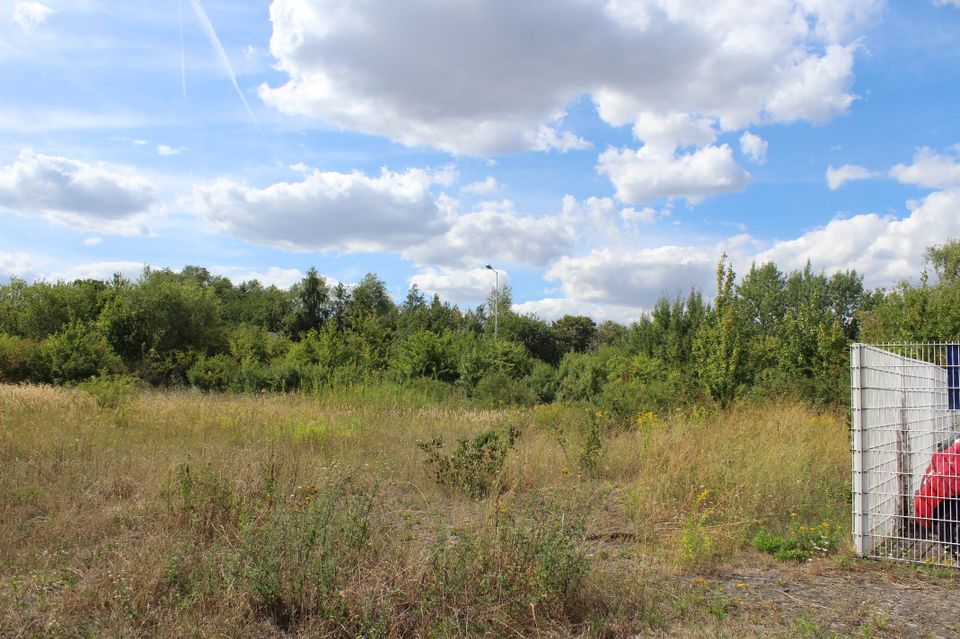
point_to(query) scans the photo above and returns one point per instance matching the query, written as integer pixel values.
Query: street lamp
(496, 302)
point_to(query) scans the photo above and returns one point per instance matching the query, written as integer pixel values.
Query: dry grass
(181, 514)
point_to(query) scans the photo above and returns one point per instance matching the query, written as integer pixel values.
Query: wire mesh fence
(906, 452)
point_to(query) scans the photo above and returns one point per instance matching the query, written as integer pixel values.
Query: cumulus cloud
(28, 14)
(634, 278)
(668, 131)
(496, 231)
(17, 265)
(754, 147)
(602, 214)
(884, 249)
(649, 173)
(97, 271)
(553, 308)
(498, 76)
(327, 211)
(470, 285)
(90, 198)
(484, 187)
(846, 173)
(930, 169)
(282, 278)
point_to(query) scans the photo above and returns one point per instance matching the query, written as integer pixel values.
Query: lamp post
(496, 301)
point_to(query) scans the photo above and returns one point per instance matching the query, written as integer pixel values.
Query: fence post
(856, 414)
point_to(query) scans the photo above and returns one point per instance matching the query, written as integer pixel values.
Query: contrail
(224, 60)
(183, 63)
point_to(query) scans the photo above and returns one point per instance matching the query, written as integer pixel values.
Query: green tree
(311, 304)
(575, 333)
(718, 346)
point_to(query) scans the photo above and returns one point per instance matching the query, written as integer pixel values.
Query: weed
(800, 543)
(697, 544)
(476, 465)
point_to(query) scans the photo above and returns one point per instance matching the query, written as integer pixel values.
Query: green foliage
(575, 333)
(78, 352)
(800, 543)
(427, 354)
(582, 377)
(543, 381)
(497, 390)
(719, 343)
(945, 259)
(476, 465)
(21, 360)
(215, 373)
(483, 356)
(111, 391)
(640, 384)
(163, 313)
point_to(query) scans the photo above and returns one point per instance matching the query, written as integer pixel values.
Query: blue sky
(599, 153)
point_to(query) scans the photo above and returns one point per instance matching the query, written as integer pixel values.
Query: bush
(497, 390)
(78, 352)
(21, 360)
(543, 382)
(475, 466)
(217, 373)
(111, 391)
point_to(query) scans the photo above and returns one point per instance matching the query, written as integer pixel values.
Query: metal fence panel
(903, 411)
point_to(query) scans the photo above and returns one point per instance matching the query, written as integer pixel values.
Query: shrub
(475, 466)
(497, 390)
(21, 360)
(80, 351)
(111, 391)
(216, 373)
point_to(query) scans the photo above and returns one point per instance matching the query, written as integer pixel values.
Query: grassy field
(182, 514)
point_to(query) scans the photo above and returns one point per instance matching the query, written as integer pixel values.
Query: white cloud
(495, 231)
(754, 147)
(553, 308)
(21, 265)
(327, 211)
(634, 278)
(93, 241)
(485, 187)
(97, 271)
(884, 249)
(947, 3)
(91, 198)
(673, 129)
(929, 169)
(498, 76)
(470, 286)
(282, 278)
(602, 214)
(846, 173)
(28, 14)
(650, 173)
(164, 150)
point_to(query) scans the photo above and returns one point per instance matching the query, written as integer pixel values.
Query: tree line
(768, 333)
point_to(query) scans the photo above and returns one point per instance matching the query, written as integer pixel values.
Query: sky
(600, 154)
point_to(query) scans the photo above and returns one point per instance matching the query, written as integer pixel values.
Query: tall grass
(183, 514)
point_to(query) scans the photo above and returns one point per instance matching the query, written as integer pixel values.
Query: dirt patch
(846, 598)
